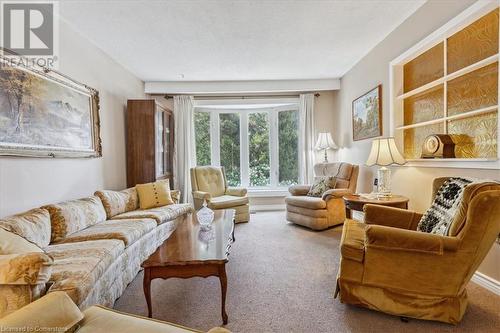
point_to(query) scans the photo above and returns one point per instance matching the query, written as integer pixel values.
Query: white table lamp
(325, 142)
(384, 152)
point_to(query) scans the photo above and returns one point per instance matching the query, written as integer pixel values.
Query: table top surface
(190, 244)
(379, 201)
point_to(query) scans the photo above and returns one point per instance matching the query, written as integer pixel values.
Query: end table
(357, 202)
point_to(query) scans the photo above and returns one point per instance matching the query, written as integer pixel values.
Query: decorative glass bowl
(205, 216)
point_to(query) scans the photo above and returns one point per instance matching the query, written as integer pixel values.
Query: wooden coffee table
(193, 252)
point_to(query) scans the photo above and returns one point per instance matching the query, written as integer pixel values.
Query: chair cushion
(210, 179)
(352, 245)
(160, 214)
(227, 201)
(103, 320)
(71, 216)
(118, 202)
(33, 225)
(155, 194)
(127, 231)
(306, 202)
(78, 266)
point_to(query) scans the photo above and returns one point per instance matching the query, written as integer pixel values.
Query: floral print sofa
(90, 248)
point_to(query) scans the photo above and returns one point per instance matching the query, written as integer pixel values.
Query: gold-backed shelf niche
(448, 84)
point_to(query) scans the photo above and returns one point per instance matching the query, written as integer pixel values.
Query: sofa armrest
(335, 193)
(299, 189)
(391, 217)
(394, 239)
(176, 195)
(27, 268)
(236, 191)
(55, 311)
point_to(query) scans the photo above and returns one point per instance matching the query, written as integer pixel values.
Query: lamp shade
(325, 141)
(384, 152)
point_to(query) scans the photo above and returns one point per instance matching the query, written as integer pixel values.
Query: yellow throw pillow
(154, 194)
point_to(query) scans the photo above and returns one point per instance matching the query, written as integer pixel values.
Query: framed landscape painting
(46, 114)
(367, 115)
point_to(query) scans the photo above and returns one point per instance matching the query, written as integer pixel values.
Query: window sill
(262, 192)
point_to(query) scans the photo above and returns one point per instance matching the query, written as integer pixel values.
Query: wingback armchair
(209, 184)
(319, 213)
(389, 266)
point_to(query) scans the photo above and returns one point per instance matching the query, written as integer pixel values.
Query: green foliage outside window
(202, 137)
(288, 137)
(258, 149)
(230, 147)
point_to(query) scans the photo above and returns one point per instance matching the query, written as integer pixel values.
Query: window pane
(202, 137)
(258, 146)
(230, 146)
(288, 138)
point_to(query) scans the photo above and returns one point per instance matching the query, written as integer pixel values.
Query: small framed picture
(367, 115)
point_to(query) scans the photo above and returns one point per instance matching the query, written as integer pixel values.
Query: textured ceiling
(236, 40)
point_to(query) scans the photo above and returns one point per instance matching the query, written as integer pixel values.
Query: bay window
(258, 147)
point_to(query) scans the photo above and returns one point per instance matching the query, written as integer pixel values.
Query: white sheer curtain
(185, 150)
(306, 138)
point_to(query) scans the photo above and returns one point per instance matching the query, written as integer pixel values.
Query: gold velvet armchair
(209, 184)
(386, 265)
(328, 210)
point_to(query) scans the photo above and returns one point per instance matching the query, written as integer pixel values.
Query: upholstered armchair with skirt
(319, 213)
(209, 184)
(389, 266)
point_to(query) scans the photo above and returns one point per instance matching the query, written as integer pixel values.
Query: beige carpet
(281, 278)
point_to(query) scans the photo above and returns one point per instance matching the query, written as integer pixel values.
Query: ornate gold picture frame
(44, 113)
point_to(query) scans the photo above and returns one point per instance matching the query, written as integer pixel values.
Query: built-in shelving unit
(448, 84)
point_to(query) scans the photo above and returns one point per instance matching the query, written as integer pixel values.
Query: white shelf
(485, 62)
(453, 117)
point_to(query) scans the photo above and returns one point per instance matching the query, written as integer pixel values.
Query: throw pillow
(10, 243)
(33, 225)
(155, 194)
(321, 185)
(438, 218)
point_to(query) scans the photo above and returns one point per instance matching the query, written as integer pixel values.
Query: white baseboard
(486, 282)
(264, 208)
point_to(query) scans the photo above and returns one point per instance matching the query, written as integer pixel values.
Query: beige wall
(28, 182)
(372, 70)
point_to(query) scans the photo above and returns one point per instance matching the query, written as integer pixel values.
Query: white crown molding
(240, 87)
(486, 282)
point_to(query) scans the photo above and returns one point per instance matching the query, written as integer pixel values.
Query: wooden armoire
(150, 142)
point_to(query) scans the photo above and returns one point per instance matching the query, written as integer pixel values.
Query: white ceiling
(236, 40)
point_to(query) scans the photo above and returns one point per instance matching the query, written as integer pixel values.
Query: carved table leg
(147, 290)
(223, 285)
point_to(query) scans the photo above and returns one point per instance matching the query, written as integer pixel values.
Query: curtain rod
(239, 96)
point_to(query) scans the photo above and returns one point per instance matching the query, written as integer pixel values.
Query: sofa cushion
(160, 214)
(71, 216)
(78, 266)
(227, 201)
(306, 202)
(352, 244)
(33, 225)
(26, 268)
(127, 231)
(118, 202)
(11, 243)
(155, 194)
